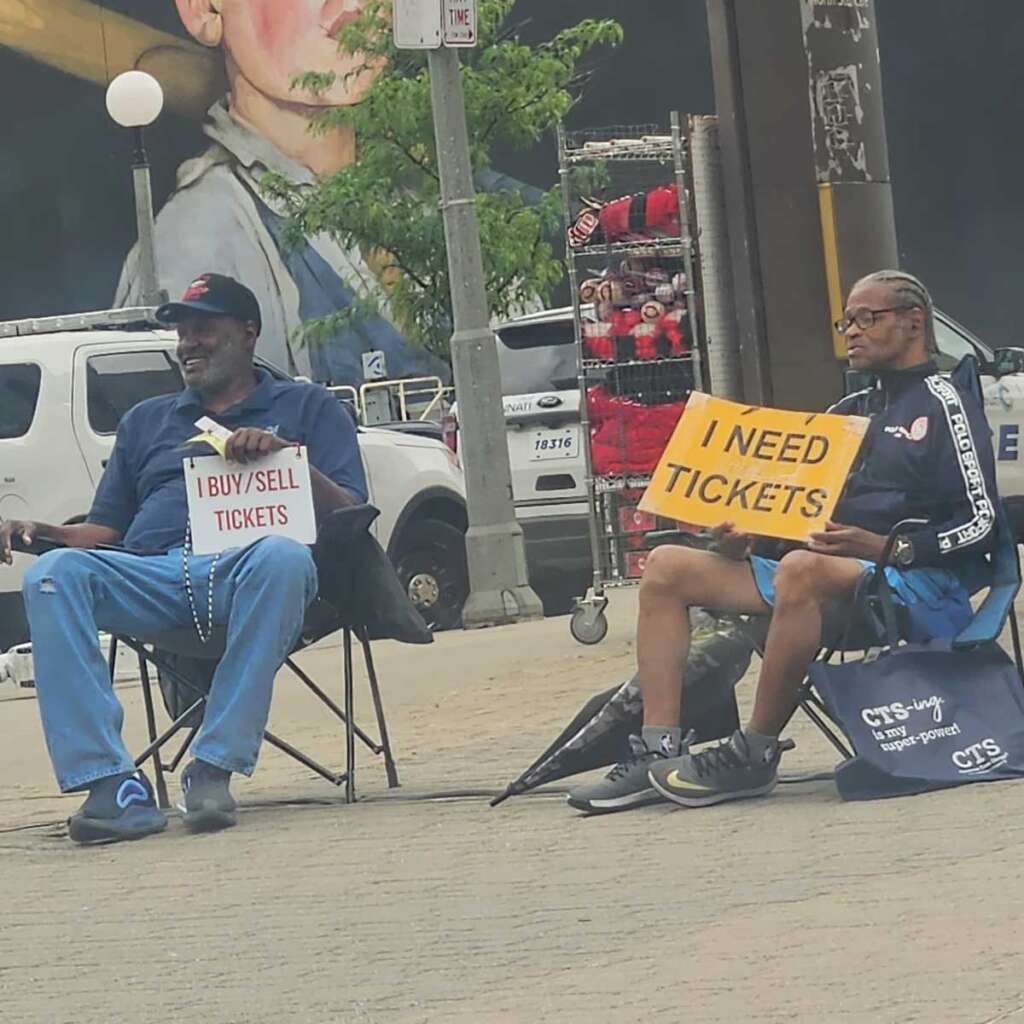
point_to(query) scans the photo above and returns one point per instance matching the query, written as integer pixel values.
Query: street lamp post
(134, 100)
(500, 590)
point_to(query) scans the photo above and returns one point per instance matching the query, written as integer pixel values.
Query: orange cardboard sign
(770, 472)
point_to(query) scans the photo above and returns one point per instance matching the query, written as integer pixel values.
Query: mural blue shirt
(142, 492)
(218, 220)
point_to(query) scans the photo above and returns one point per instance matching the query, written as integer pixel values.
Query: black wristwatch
(902, 551)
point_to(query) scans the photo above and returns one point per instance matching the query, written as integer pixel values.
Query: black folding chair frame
(149, 656)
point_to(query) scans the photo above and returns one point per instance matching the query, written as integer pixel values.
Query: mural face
(272, 41)
(218, 218)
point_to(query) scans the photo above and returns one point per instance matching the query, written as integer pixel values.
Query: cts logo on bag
(898, 711)
(887, 714)
(980, 758)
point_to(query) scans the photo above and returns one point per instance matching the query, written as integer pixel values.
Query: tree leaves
(387, 203)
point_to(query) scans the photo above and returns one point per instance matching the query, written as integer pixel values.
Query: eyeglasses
(866, 318)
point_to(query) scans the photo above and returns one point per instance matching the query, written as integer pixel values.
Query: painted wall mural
(65, 186)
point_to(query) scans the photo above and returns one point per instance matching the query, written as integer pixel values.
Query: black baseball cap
(215, 294)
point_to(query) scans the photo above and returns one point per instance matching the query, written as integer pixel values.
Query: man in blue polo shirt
(260, 592)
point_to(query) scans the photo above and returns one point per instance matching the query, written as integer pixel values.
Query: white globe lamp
(134, 99)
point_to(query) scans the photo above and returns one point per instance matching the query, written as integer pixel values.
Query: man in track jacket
(927, 455)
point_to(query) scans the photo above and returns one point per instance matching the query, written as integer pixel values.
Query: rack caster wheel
(588, 624)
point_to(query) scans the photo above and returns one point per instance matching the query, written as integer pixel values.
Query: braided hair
(910, 292)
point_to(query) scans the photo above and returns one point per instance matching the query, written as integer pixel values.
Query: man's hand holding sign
(232, 507)
(257, 485)
(847, 542)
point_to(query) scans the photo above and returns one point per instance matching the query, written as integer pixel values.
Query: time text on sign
(458, 22)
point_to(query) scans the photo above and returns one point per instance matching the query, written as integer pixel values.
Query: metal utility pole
(499, 586)
(152, 294)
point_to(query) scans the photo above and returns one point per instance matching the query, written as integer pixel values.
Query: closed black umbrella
(599, 733)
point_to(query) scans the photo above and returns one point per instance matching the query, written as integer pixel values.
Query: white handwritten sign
(231, 504)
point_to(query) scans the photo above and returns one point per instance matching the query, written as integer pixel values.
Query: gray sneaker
(625, 786)
(209, 805)
(724, 772)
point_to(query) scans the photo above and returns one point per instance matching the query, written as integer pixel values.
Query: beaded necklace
(185, 552)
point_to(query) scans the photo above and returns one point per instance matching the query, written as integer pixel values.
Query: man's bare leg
(804, 585)
(747, 764)
(675, 580)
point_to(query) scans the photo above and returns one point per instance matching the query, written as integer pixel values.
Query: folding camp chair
(866, 630)
(359, 594)
(986, 625)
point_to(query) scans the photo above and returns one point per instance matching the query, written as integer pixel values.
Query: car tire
(431, 564)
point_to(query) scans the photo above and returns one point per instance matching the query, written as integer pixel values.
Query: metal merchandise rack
(629, 383)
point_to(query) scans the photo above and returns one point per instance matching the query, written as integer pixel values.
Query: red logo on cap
(196, 290)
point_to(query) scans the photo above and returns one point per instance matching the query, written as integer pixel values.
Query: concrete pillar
(798, 93)
(715, 264)
(851, 155)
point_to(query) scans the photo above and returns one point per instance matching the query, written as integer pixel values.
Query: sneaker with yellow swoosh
(624, 787)
(724, 772)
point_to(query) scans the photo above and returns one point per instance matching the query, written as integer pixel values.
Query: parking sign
(459, 23)
(429, 24)
(417, 24)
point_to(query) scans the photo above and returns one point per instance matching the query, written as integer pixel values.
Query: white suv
(541, 399)
(65, 383)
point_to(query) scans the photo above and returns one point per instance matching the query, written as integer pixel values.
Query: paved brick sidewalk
(411, 908)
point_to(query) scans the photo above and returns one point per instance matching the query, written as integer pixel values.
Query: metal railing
(412, 399)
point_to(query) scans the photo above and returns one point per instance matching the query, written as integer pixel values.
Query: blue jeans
(260, 593)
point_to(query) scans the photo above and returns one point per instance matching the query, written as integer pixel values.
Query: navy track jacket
(927, 455)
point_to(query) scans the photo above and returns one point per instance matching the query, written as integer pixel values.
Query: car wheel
(431, 564)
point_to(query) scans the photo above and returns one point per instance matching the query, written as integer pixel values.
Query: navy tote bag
(923, 716)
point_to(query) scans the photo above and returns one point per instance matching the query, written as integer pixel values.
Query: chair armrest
(40, 546)
(359, 581)
(901, 527)
(988, 621)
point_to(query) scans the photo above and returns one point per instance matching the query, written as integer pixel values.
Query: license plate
(555, 444)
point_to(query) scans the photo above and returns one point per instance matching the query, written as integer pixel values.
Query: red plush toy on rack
(645, 215)
(631, 324)
(627, 436)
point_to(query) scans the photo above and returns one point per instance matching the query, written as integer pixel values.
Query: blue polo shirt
(142, 492)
